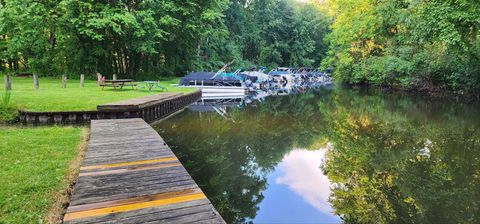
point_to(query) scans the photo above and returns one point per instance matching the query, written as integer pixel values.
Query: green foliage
(8, 110)
(409, 44)
(139, 38)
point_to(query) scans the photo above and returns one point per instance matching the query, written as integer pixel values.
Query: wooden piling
(99, 78)
(64, 81)
(82, 80)
(8, 82)
(36, 83)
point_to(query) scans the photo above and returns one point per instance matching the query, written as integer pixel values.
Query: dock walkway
(138, 103)
(129, 175)
(150, 108)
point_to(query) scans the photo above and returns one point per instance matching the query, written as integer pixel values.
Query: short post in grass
(64, 81)
(114, 77)
(36, 83)
(99, 78)
(8, 82)
(82, 80)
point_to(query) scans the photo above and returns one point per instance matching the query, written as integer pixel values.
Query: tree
(398, 43)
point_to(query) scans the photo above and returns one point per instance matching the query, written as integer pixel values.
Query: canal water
(332, 156)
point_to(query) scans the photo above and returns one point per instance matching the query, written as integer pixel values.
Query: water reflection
(302, 175)
(390, 158)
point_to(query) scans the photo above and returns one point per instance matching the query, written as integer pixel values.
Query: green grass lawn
(33, 166)
(51, 97)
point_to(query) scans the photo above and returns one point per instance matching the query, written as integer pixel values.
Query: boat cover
(207, 77)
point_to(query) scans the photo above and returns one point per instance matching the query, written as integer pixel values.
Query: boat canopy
(209, 78)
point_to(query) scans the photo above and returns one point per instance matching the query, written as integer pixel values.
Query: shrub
(8, 110)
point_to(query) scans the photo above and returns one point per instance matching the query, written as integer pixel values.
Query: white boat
(221, 89)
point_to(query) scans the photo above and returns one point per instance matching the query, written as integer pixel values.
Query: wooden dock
(138, 103)
(149, 108)
(129, 175)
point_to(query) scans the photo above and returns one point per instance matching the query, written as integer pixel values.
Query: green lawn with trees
(394, 43)
(52, 97)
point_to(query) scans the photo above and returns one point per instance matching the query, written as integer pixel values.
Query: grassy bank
(34, 167)
(51, 97)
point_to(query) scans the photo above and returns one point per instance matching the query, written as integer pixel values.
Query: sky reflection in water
(298, 191)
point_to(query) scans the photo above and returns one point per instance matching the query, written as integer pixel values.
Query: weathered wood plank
(101, 198)
(138, 103)
(115, 217)
(130, 175)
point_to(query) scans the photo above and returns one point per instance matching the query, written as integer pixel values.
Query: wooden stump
(8, 82)
(114, 77)
(99, 78)
(36, 83)
(82, 80)
(64, 81)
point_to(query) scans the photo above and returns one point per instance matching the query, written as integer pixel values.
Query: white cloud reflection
(302, 175)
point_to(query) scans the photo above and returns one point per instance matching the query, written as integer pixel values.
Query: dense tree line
(408, 44)
(397, 43)
(141, 38)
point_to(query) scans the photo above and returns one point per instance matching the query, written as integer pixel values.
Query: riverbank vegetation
(406, 44)
(8, 110)
(35, 172)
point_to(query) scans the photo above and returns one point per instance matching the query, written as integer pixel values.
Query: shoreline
(427, 92)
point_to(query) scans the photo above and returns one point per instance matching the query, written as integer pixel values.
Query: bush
(8, 110)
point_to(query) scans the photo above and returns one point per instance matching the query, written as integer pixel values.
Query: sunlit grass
(33, 165)
(52, 97)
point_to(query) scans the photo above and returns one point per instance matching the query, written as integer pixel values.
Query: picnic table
(118, 83)
(151, 84)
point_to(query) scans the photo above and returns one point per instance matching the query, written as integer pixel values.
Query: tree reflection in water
(394, 158)
(403, 160)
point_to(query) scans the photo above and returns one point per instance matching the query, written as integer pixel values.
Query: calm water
(330, 156)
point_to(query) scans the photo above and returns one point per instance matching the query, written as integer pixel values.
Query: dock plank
(138, 103)
(129, 175)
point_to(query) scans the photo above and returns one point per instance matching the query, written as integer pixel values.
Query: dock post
(82, 80)
(99, 78)
(36, 83)
(64, 81)
(8, 82)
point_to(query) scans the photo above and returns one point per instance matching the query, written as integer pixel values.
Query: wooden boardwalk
(129, 175)
(138, 103)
